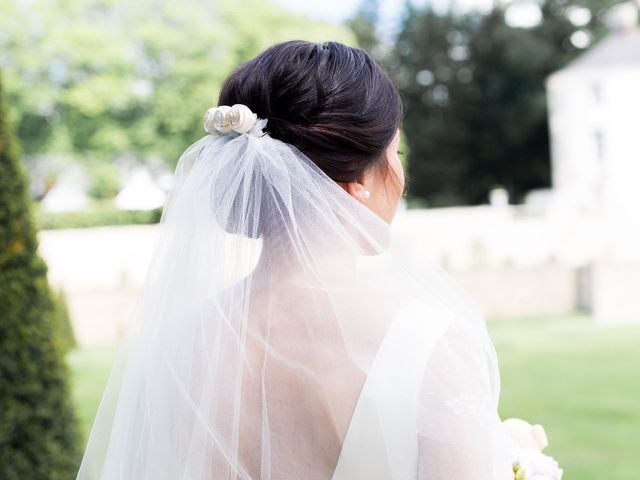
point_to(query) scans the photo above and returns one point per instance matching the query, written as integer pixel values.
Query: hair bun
(332, 102)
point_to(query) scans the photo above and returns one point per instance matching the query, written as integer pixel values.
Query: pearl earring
(366, 194)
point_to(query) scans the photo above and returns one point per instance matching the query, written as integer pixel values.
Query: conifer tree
(38, 428)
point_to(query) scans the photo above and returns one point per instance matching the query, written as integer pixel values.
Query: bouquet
(529, 463)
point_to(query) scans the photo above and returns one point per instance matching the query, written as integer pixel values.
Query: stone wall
(510, 263)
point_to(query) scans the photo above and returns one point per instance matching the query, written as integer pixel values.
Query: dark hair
(333, 102)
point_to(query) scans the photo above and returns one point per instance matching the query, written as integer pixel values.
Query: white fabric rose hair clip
(237, 119)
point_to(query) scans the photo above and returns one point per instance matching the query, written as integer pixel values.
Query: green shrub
(39, 435)
(105, 180)
(95, 218)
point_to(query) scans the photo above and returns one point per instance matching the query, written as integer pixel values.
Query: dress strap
(381, 440)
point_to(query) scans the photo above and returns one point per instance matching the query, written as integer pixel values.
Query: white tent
(69, 193)
(140, 192)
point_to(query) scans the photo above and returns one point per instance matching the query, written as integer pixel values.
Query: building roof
(618, 49)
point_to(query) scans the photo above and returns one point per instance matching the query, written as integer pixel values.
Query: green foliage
(363, 24)
(38, 428)
(474, 90)
(105, 180)
(131, 77)
(95, 218)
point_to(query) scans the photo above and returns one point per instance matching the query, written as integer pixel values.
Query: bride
(278, 335)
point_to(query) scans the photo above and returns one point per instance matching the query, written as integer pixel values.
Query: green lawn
(90, 368)
(580, 381)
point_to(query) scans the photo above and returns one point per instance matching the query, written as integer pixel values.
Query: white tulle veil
(269, 292)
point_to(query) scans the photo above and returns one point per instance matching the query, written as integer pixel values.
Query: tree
(435, 94)
(130, 77)
(475, 96)
(364, 25)
(38, 428)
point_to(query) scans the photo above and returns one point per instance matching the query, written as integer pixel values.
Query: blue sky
(518, 13)
(391, 11)
(339, 10)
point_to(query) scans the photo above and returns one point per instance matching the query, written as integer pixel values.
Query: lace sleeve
(460, 434)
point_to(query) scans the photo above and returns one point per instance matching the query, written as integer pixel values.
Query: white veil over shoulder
(270, 292)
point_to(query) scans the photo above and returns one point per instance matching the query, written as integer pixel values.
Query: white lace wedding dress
(469, 441)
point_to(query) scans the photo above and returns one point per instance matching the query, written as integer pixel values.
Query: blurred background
(522, 149)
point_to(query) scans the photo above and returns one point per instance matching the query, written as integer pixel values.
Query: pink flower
(526, 435)
(533, 465)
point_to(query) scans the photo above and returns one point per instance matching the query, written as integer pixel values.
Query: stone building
(594, 121)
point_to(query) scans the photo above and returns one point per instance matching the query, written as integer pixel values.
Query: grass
(90, 368)
(580, 381)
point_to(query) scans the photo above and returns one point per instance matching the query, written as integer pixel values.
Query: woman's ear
(357, 190)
